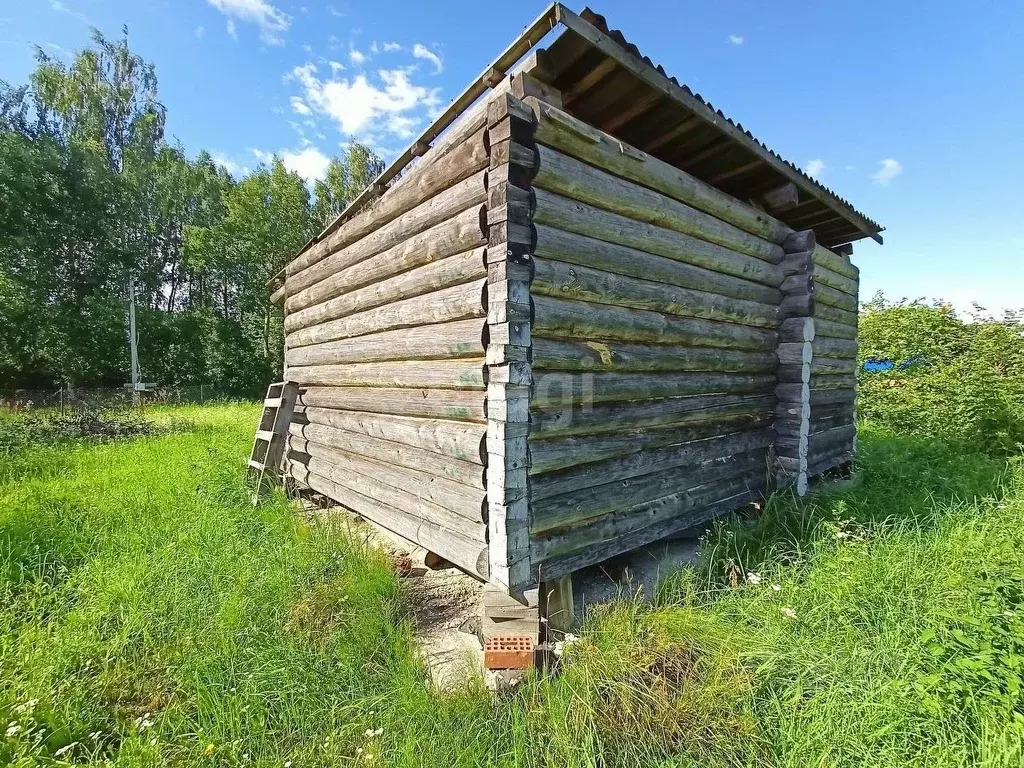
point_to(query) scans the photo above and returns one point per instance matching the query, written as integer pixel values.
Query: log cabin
(583, 312)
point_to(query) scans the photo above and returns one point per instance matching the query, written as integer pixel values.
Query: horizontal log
(569, 355)
(825, 276)
(642, 463)
(448, 205)
(791, 428)
(831, 379)
(454, 270)
(794, 373)
(844, 409)
(830, 297)
(572, 178)
(451, 236)
(797, 329)
(463, 501)
(554, 454)
(832, 330)
(826, 258)
(822, 423)
(558, 129)
(822, 397)
(839, 348)
(822, 463)
(795, 285)
(469, 555)
(624, 532)
(592, 419)
(836, 436)
(438, 374)
(574, 510)
(559, 318)
(572, 281)
(464, 472)
(800, 409)
(832, 314)
(442, 341)
(795, 353)
(459, 302)
(425, 403)
(833, 366)
(573, 216)
(436, 172)
(798, 305)
(459, 440)
(560, 245)
(560, 389)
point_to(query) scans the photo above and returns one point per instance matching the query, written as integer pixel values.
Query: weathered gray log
(823, 462)
(625, 531)
(455, 404)
(459, 440)
(558, 129)
(832, 380)
(797, 305)
(637, 465)
(781, 198)
(833, 365)
(832, 314)
(836, 436)
(795, 353)
(560, 245)
(820, 422)
(559, 390)
(825, 276)
(454, 270)
(592, 419)
(795, 372)
(570, 355)
(797, 263)
(572, 281)
(579, 319)
(466, 553)
(459, 302)
(791, 428)
(836, 263)
(441, 341)
(555, 454)
(843, 409)
(438, 374)
(797, 329)
(571, 178)
(840, 348)
(797, 409)
(578, 508)
(796, 284)
(820, 397)
(452, 235)
(833, 330)
(464, 472)
(830, 297)
(461, 500)
(427, 179)
(573, 216)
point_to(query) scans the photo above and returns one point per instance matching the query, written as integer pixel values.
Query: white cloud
(421, 51)
(310, 163)
(357, 57)
(299, 106)
(231, 29)
(391, 47)
(307, 48)
(63, 8)
(815, 167)
(889, 170)
(736, 39)
(360, 105)
(235, 169)
(374, 48)
(200, 31)
(335, 12)
(336, 66)
(272, 21)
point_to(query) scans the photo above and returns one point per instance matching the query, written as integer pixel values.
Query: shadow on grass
(910, 481)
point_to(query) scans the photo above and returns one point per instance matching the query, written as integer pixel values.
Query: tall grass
(150, 615)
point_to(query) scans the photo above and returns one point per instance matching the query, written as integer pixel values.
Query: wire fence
(68, 401)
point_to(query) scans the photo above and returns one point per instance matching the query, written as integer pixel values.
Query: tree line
(94, 198)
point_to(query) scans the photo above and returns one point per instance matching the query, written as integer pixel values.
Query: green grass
(150, 615)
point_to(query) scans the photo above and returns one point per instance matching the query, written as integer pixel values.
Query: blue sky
(912, 111)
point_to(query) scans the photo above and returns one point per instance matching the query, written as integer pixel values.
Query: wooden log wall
(657, 302)
(386, 323)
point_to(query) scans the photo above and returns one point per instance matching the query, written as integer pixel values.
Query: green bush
(966, 385)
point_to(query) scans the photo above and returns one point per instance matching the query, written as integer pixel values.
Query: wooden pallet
(266, 462)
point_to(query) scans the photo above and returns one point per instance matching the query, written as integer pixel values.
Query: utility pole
(133, 342)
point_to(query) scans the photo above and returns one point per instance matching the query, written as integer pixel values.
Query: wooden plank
(620, 356)
(459, 440)
(440, 341)
(574, 179)
(459, 302)
(556, 128)
(562, 389)
(468, 405)
(572, 281)
(416, 374)
(583, 219)
(464, 472)
(445, 273)
(560, 245)
(560, 318)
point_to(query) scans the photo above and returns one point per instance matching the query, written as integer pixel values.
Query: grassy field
(150, 615)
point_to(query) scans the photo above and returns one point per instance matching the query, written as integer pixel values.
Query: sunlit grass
(150, 615)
